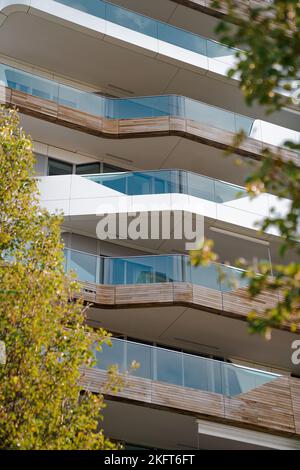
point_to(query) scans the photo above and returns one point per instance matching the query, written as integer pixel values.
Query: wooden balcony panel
(145, 294)
(88, 291)
(207, 133)
(34, 106)
(236, 304)
(135, 388)
(205, 297)
(269, 406)
(144, 126)
(110, 128)
(188, 399)
(239, 301)
(295, 394)
(105, 295)
(182, 292)
(80, 120)
(178, 125)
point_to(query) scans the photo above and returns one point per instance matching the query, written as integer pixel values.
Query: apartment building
(130, 110)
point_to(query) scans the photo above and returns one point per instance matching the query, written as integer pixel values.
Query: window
(88, 168)
(107, 168)
(57, 167)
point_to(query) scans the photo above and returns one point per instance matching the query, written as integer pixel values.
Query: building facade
(130, 110)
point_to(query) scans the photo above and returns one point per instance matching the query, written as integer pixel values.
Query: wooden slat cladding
(295, 394)
(105, 295)
(137, 294)
(132, 128)
(234, 304)
(238, 301)
(270, 407)
(207, 297)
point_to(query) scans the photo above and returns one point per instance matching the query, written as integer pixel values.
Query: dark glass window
(88, 168)
(107, 168)
(57, 167)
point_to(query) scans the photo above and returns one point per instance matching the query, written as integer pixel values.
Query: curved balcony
(158, 190)
(151, 269)
(182, 369)
(153, 28)
(143, 107)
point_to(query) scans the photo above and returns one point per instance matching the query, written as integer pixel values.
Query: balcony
(160, 31)
(182, 369)
(151, 270)
(195, 386)
(83, 198)
(54, 99)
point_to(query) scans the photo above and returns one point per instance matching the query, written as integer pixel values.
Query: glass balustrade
(170, 181)
(182, 369)
(151, 269)
(182, 182)
(143, 107)
(154, 29)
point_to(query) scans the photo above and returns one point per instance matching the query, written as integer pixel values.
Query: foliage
(268, 69)
(47, 343)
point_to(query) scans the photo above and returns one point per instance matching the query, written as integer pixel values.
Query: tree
(47, 343)
(268, 68)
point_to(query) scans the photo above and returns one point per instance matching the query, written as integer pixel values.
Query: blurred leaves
(268, 72)
(44, 335)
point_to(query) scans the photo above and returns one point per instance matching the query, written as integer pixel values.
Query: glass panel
(110, 356)
(56, 167)
(142, 354)
(166, 269)
(220, 52)
(131, 20)
(241, 380)
(88, 168)
(210, 115)
(81, 100)
(114, 271)
(96, 8)
(140, 271)
(231, 278)
(244, 123)
(206, 276)
(169, 366)
(228, 192)
(202, 374)
(139, 183)
(200, 186)
(31, 84)
(117, 182)
(84, 265)
(152, 106)
(179, 37)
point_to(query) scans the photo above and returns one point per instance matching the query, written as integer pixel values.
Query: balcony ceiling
(199, 331)
(166, 430)
(108, 66)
